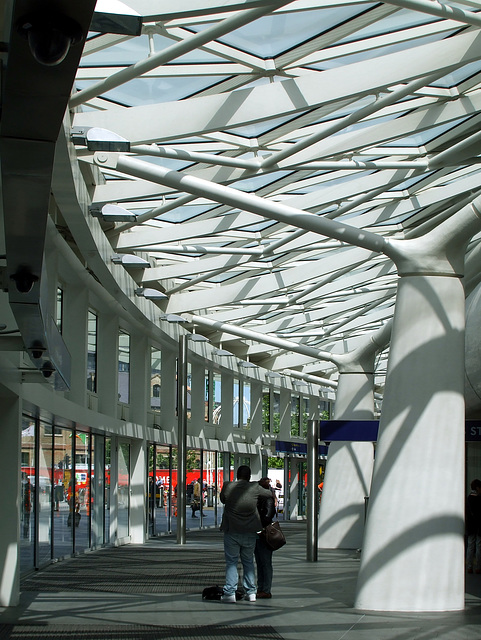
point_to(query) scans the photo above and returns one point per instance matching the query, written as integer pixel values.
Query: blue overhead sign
(299, 448)
(473, 431)
(349, 430)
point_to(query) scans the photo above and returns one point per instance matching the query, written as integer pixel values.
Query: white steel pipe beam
(242, 332)
(245, 201)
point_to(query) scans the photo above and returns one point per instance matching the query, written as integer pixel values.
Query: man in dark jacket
(240, 524)
(263, 552)
(473, 527)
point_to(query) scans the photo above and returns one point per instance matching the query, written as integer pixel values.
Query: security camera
(49, 36)
(37, 350)
(24, 279)
(47, 369)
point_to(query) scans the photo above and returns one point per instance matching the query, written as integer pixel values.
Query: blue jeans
(263, 554)
(243, 545)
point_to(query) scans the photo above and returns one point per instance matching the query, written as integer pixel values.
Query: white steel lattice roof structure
(273, 148)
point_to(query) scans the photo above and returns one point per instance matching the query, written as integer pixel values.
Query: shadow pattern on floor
(128, 569)
(136, 632)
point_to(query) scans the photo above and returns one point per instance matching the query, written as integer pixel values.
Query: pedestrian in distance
(240, 524)
(473, 527)
(263, 552)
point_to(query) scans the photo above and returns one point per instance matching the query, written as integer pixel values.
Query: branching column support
(349, 465)
(413, 556)
(413, 550)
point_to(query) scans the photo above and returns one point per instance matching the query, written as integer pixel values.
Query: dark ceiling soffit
(36, 95)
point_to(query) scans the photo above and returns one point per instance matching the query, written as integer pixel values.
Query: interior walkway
(154, 592)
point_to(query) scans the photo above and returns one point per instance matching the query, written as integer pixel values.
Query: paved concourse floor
(153, 592)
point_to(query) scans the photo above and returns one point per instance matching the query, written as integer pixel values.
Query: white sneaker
(228, 599)
(250, 597)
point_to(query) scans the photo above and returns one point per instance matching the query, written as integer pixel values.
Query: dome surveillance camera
(37, 350)
(49, 36)
(47, 369)
(24, 279)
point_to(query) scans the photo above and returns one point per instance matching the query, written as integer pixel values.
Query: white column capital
(442, 250)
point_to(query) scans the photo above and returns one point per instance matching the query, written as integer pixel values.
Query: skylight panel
(145, 90)
(402, 19)
(272, 35)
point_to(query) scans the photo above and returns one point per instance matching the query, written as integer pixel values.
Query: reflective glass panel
(44, 504)
(123, 495)
(27, 507)
(124, 367)
(92, 328)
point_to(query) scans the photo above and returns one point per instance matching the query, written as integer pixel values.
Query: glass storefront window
(246, 405)
(189, 391)
(44, 494)
(81, 516)
(107, 489)
(155, 378)
(236, 405)
(207, 395)
(92, 329)
(62, 458)
(124, 367)
(123, 490)
(97, 489)
(27, 507)
(295, 415)
(305, 416)
(217, 397)
(266, 410)
(276, 412)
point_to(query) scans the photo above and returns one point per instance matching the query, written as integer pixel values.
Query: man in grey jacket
(240, 524)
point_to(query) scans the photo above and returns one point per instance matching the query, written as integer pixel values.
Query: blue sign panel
(473, 431)
(349, 430)
(299, 448)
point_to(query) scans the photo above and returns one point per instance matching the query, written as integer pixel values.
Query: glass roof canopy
(357, 112)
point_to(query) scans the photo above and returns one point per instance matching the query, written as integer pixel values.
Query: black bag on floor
(212, 593)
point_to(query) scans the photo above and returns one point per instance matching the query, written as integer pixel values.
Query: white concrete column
(413, 552)
(347, 479)
(347, 482)
(10, 464)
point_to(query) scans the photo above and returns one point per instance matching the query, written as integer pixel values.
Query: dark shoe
(263, 594)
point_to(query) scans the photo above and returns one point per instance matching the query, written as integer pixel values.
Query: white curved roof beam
(169, 71)
(228, 294)
(143, 236)
(173, 52)
(151, 123)
(341, 144)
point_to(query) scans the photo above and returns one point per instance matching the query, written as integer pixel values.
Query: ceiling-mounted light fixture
(246, 364)
(172, 317)
(112, 213)
(98, 139)
(130, 260)
(150, 294)
(221, 352)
